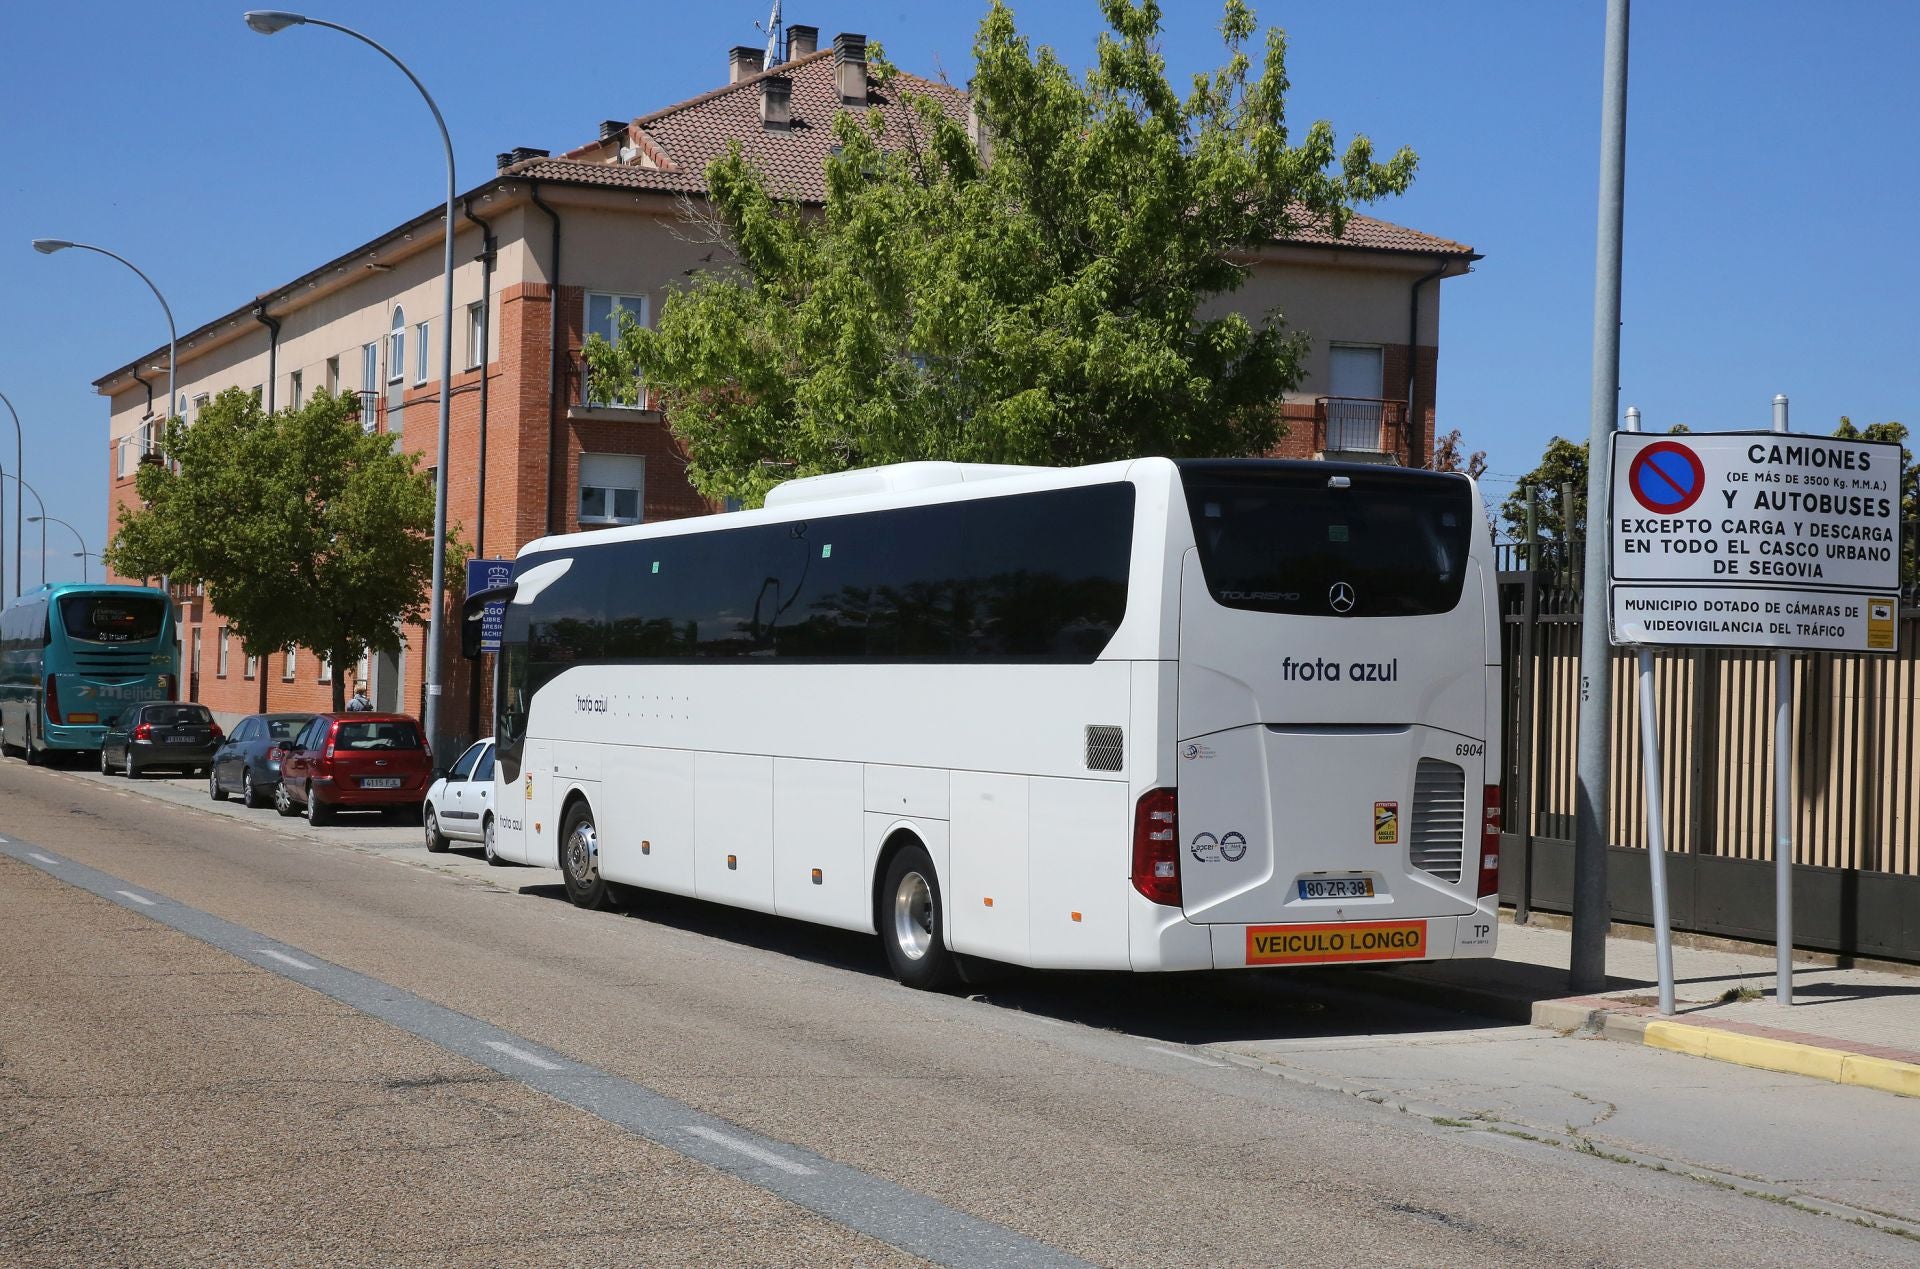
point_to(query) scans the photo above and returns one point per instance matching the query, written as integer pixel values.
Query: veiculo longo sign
(1755, 539)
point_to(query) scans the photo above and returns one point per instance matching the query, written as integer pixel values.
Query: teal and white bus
(73, 655)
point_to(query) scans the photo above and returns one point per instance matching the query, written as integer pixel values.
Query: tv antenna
(775, 54)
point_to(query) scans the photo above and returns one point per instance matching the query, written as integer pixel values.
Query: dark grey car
(172, 734)
(245, 764)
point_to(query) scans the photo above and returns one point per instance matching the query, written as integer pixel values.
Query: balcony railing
(580, 392)
(1360, 427)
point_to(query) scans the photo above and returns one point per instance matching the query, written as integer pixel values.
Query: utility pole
(1592, 912)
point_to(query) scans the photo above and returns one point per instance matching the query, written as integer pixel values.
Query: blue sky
(1770, 179)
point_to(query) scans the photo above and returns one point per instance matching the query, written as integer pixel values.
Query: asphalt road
(468, 1069)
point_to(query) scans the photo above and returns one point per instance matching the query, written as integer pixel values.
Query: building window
(193, 667)
(420, 334)
(286, 674)
(259, 393)
(199, 404)
(333, 376)
(476, 335)
(603, 319)
(220, 664)
(360, 671)
(295, 383)
(1355, 413)
(326, 669)
(397, 347)
(369, 387)
(611, 487)
(251, 666)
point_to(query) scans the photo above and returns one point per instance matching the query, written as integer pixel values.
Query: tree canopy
(306, 529)
(1033, 295)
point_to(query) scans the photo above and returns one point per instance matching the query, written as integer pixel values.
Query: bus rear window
(110, 618)
(1285, 538)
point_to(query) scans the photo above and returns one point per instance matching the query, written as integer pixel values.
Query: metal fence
(1856, 729)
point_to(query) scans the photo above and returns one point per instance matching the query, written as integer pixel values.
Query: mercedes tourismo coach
(1149, 715)
(74, 655)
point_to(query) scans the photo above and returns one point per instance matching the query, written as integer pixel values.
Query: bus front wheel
(913, 922)
(580, 861)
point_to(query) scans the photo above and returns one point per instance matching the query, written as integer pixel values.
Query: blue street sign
(485, 575)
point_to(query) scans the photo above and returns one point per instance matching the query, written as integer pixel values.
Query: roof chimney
(743, 61)
(611, 128)
(850, 68)
(519, 154)
(802, 41)
(776, 103)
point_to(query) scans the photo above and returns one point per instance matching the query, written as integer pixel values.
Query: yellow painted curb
(1833, 1065)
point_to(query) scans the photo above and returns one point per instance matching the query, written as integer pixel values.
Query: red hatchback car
(354, 762)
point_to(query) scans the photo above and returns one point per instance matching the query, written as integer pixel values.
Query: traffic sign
(1755, 539)
(1666, 478)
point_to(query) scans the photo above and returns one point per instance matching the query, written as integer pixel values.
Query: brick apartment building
(552, 248)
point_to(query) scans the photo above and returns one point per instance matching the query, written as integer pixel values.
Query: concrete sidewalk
(1848, 1025)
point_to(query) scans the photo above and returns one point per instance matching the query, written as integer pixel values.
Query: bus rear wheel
(912, 922)
(580, 861)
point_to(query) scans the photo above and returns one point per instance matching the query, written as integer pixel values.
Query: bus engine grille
(1106, 748)
(1439, 831)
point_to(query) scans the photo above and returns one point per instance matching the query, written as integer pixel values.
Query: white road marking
(45, 859)
(1191, 1057)
(747, 1148)
(284, 959)
(523, 1056)
(140, 899)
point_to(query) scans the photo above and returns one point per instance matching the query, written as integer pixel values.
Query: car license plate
(182, 738)
(380, 782)
(1336, 888)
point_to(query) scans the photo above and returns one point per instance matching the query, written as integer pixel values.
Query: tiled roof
(694, 133)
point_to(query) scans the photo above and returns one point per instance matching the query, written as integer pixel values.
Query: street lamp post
(43, 529)
(19, 579)
(46, 247)
(267, 22)
(41, 520)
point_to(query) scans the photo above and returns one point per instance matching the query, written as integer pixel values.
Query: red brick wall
(1426, 379)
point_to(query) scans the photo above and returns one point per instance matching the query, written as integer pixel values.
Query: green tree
(1909, 487)
(306, 529)
(1564, 463)
(1036, 298)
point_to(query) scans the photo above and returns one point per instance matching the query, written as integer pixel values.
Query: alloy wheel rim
(431, 827)
(583, 854)
(913, 916)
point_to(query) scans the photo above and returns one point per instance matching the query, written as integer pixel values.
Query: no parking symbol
(1666, 478)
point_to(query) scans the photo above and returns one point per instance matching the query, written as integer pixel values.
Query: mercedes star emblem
(1341, 597)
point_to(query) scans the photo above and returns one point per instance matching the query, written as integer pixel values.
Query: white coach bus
(1147, 715)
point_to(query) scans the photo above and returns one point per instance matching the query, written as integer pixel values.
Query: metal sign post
(1656, 814)
(1783, 796)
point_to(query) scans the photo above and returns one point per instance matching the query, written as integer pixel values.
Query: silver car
(459, 805)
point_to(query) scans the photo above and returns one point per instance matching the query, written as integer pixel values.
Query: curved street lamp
(83, 552)
(267, 22)
(19, 579)
(43, 531)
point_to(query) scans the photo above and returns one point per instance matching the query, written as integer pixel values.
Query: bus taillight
(1156, 847)
(53, 702)
(1490, 844)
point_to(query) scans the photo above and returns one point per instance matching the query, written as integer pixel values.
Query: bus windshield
(111, 618)
(1283, 540)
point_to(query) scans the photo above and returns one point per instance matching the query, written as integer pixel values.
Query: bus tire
(33, 756)
(912, 922)
(580, 860)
